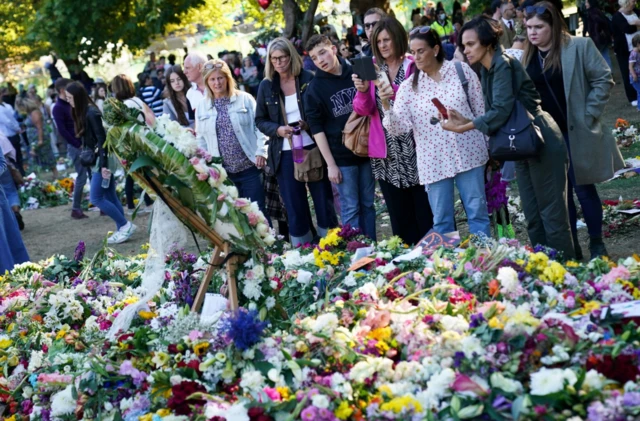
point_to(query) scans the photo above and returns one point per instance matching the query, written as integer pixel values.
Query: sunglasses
(538, 10)
(210, 66)
(420, 29)
(370, 24)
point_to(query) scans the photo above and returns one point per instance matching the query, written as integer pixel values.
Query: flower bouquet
(36, 193)
(624, 133)
(169, 154)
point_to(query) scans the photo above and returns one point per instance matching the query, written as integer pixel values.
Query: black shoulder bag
(518, 139)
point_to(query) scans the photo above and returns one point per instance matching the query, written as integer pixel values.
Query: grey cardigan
(168, 108)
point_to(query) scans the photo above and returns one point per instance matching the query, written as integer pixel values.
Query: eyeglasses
(210, 66)
(538, 10)
(370, 24)
(280, 59)
(420, 29)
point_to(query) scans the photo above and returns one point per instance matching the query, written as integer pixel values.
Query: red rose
(179, 402)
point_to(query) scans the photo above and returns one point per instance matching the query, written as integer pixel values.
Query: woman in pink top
(393, 158)
(443, 156)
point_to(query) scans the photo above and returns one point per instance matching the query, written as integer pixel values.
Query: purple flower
(458, 358)
(476, 320)
(310, 413)
(127, 369)
(244, 328)
(79, 254)
(631, 399)
(500, 403)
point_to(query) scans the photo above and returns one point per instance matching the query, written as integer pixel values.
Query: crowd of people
(444, 92)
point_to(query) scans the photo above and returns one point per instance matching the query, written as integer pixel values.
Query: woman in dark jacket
(625, 24)
(282, 89)
(87, 120)
(542, 181)
(599, 28)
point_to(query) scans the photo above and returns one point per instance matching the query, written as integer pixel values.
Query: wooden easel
(221, 248)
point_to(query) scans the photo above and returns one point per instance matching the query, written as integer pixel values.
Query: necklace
(542, 59)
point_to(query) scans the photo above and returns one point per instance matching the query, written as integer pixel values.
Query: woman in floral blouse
(393, 158)
(443, 157)
(225, 127)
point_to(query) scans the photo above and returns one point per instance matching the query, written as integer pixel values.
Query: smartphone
(364, 68)
(440, 107)
(382, 77)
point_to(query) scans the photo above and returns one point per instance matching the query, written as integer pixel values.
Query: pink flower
(273, 394)
(463, 383)
(254, 218)
(203, 177)
(221, 197)
(194, 335)
(618, 272)
(55, 378)
(194, 161)
(241, 202)
(214, 174)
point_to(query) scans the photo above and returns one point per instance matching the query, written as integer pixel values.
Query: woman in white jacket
(225, 127)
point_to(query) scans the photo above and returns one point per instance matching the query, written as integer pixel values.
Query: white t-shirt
(630, 18)
(136, 103)
(194, 96)
(293, 114)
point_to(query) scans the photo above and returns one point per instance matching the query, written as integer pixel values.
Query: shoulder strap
(284, 116)
(464, 81)
(555, 99)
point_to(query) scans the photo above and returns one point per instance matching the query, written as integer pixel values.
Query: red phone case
(440, 107)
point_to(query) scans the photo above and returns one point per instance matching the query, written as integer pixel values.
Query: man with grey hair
(193, 70)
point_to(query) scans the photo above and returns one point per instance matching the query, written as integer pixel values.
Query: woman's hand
(335, 175)
(106, 174)
(304, 125)
(385, 91)
(455, 122)
(261, 161)
(361, 85)
(285, 131)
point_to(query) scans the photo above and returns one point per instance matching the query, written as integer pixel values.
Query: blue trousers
(107, 200)
(12, 249)
(471, 187)
(10, 191)
(356, 193)
(249, 185)
(83, 173)
(294, 196)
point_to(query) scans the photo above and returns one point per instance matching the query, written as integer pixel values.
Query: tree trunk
(298, 24)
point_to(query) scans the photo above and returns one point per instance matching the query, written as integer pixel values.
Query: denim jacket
(242, 109)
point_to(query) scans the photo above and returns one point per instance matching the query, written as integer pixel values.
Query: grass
(628, 188)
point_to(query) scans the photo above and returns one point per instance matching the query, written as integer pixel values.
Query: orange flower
(622, 123)
(37, 318)
(494, 287)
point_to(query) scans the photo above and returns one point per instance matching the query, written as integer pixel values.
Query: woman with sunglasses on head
(542, 181)
(394, 163)
(225, 127)
(87, 120)
(555, 60)
(444, 158)
(280, 107)
(177, 105)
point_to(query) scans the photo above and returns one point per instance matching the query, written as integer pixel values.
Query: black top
(328, 103)
(621, 27)
(557, 106)
(269, 113)
(94, 134)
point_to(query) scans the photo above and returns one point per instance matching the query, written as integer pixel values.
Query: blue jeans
(249, 184)
(471, 187)
(294, 196)
(356, 198)
(589, 202)
(12, 249)
(9, 186)
(83, 173)
(605, 55)
(107, 200)
(636, 86)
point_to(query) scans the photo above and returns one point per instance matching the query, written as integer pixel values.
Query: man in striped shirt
(151, 95)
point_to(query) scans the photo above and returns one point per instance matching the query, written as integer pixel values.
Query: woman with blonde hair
(226, 128)
(280, 109)
(38, 134)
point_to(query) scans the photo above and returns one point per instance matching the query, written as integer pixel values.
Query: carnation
(63, 403)
(508, 278)
(456, 324)
(252, 381)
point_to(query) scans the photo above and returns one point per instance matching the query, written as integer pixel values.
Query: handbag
(88, 153)
(311, 169)
(355, 135)
(519, 138)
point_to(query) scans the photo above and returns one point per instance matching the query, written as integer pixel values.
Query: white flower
(252, 381)
(236, 412)
(551, 380)
(369, 289)
(271, 272)
(508, 278)
(326, 323)
(36, 360)
(251, 289)
(304, 277)
(593, 380)
(499, 381)
(63, 403)
(456, 324)
(320, 401)
(270, 303)
(437, 388)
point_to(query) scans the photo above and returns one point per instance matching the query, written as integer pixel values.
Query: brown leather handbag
(355, 135)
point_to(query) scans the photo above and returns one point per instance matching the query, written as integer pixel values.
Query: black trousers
(409, 211)
(128, 191)
(15, 142)
(623, 63)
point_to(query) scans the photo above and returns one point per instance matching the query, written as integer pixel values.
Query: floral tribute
(625, 133)
(36, 193)
(503, 333)
(170, 153)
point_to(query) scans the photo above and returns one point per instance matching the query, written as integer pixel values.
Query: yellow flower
(332, 239)
(495, 323)
(554, 273)
(343, 411)
(146, 315)
(11, 327)
(131, 300)
(61, 334)
(587, 308)
(5, 343)
(110, 309)
(285, 393)
(11, 418)
(163, 412)
(537, 261)
(385, 390)
(160, 359)
(201, 348)
(403, 403)
(380, 334)
(572, 264)
(146, 417)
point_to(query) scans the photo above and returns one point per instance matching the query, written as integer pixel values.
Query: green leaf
(455, 405)
(471, 411)
(141, 162)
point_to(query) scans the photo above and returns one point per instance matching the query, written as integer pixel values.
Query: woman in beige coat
(574, 83)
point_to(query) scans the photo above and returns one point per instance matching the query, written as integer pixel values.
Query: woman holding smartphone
(393, 158)
(443, 157)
